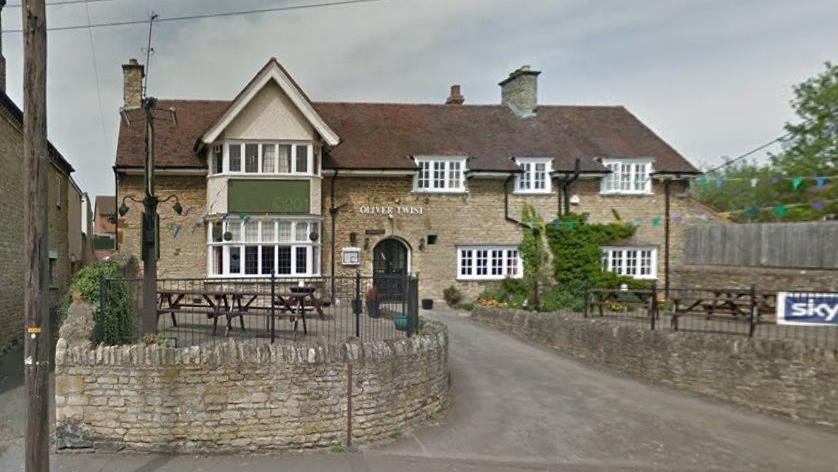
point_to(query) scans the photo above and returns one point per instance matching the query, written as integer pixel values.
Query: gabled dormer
(264, 152)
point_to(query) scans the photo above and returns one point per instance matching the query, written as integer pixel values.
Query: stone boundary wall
(246, 396)
(782, 377)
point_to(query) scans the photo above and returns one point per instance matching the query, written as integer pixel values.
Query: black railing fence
(743, 312)
(303, 311)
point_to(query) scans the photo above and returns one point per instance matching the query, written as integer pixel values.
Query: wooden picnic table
(236, 303)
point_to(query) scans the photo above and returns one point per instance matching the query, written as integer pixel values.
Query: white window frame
(310, 158)
(312, 248)
(450, 183)
(526, 182)
(621, 259)
(627, 177)
(475, 254)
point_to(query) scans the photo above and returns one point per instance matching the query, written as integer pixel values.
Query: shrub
(452, 296)
(119, 311)
(467, 306)
(555, 300)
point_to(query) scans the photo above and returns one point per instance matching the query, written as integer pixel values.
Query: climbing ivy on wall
(577, 258)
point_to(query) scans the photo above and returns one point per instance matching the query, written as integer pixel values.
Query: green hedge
(120, 311)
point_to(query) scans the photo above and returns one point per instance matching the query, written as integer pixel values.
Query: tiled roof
(105, 204)
(384, 135)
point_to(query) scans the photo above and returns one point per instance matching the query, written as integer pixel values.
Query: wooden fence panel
(797, 245)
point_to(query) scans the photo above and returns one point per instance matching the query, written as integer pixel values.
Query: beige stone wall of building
(12, 232)
(270, 115)
(476, 217)
(183, 251)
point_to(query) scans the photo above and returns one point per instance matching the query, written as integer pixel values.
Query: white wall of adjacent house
(270, 115)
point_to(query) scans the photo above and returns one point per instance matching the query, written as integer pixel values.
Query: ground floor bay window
(639, 262)
(257, 247)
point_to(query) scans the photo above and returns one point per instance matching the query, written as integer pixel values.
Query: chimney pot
(455, 97)
(519, 91)
(132, 93)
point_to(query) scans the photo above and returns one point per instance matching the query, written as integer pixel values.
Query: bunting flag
(636, 221)
(719, 182)
(656, 220)
(751, 212)
(796, 182)
(780, 210)
(703, 181)
(820, 181)
(676, 218)
(818, 204)
(754, 182)
(570, 224)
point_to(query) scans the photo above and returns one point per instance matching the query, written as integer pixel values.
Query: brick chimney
(519, 91)
(2, 57)
(132, 92)
(455, 97)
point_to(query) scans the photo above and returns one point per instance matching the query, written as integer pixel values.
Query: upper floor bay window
(627, 176)
(265, 158)
(440, 175)
(639, 262)
(534, 176)
(258, 247)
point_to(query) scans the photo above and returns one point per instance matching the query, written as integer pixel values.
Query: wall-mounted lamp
(366, 243)
(353, 237)
(421, 244)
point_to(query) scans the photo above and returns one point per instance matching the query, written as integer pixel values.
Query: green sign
(268, 196)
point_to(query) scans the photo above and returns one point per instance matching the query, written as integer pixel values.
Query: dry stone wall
(783, 377)
(244, 396)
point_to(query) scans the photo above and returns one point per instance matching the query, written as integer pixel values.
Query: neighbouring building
(66, 247)
(272, 181)
(104, 226)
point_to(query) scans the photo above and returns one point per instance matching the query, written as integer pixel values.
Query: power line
(65, 2)
(98, 85)
(203, 16)
(752, 151)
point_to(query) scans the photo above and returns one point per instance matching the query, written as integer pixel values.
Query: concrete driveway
(520, 407)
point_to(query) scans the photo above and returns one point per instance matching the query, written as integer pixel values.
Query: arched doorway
(390, 267)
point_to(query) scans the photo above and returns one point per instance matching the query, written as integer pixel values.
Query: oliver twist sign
(390, 210)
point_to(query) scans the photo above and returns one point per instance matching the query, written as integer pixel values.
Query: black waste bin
(427, 304)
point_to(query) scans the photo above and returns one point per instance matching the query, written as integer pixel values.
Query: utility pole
(149, 227)
(36, 343)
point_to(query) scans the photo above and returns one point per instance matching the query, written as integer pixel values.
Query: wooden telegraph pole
(36, 166)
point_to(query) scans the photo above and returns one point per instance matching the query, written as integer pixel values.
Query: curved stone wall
(245, 396)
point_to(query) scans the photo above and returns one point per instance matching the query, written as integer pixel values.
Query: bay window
(639, 262)
(488, 262)
(258, 247)
(265, 158)
(534, 176)
(627, 176)
(440, 175)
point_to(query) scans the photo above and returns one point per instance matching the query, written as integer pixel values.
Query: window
(235, 158)
(627, 177)
(260, 246)
(488, 262)
(58, 191)
(268, 158)
(639, 262)
(440, 175)
(53, 259)
(534, 176)
(218, 159)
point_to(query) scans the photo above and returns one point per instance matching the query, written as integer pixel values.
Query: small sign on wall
(807, 308)
(350, 256)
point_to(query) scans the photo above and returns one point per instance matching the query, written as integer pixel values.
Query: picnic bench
(732, 304)
(234, 300)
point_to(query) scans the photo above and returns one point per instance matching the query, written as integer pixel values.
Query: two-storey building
(272, 181)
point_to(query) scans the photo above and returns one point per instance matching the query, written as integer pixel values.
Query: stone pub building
(272, 181)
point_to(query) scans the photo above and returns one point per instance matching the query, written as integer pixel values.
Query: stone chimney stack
(2, 57)
(455, 97)
(519, 91)
(132, 92)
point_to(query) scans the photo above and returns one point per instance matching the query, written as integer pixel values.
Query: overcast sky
(713, 78)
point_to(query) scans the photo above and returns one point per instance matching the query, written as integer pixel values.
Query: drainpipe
(333, 212)
(115, 214)
(666, 192)
(566, 186)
